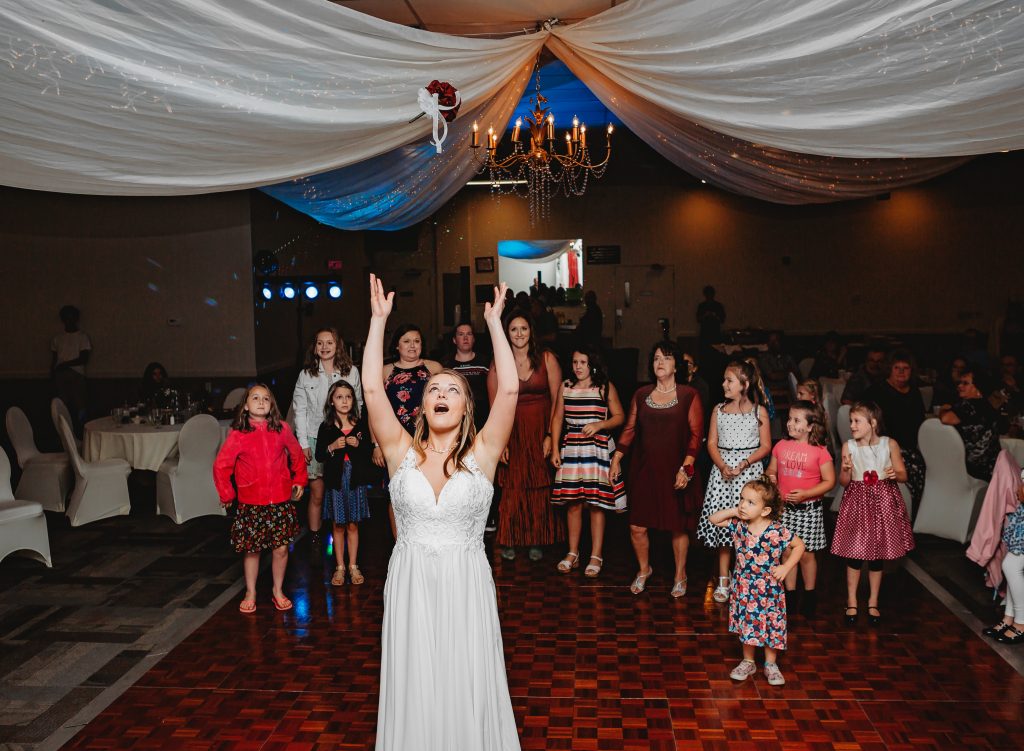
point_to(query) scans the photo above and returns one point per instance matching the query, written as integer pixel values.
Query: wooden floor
(590, 666)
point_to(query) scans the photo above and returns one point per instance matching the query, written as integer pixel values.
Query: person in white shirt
(327, 361)
(71, 349)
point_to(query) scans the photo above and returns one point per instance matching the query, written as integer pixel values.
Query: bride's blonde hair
(467, 429)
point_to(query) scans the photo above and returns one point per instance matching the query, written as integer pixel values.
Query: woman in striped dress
(587, 413)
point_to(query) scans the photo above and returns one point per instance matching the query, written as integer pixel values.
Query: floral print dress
(757, 603)
(404, 387)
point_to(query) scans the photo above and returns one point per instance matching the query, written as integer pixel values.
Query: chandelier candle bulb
(568, 143)
(515, 130)
(475, 139)
(551, 128)
(575, 129)
(583, 136)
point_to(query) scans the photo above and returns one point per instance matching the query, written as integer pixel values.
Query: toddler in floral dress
(757, 597)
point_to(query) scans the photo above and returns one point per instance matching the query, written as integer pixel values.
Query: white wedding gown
(442, 672)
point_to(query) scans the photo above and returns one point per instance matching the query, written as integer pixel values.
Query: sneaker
(536, 554)
(509, 554)
(773, 674)
(721, 593)
(744, 670)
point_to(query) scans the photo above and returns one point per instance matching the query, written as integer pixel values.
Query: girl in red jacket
(269, 470)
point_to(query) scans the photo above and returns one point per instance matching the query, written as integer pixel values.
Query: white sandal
(721, 593)
(593, 570)
(571, 561)
(640, 582)
(679, 589)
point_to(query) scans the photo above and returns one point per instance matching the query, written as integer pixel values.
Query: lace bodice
(455, 519)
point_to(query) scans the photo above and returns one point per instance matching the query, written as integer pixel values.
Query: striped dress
(586, 461)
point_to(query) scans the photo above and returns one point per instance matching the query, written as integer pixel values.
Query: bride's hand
(380, 304)
(493, 311)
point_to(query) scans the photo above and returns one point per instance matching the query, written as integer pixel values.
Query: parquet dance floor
(590, 666)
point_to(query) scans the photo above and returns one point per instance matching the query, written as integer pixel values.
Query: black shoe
(874, 618)
(792, 601)
(996, 630)
(316, 550)
(1011, 636)
(851, 618)
(809, 604)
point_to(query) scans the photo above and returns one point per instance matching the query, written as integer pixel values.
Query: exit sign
(334, 264)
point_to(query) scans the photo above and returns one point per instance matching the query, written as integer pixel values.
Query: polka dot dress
(739, 436)
(873, 523)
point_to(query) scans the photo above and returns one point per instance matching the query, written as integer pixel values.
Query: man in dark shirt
(710, 317)
(867, 375)
(591, 325)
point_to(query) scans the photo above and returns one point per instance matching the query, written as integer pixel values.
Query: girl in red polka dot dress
(873, 522)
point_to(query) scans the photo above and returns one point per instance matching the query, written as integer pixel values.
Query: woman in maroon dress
(525, 515)
(662, 436)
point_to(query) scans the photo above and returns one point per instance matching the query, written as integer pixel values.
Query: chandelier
(540, 167)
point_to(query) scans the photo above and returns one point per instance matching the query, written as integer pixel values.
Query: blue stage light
(311, 291)
(334, 291)
(288, 291)
(267, 292)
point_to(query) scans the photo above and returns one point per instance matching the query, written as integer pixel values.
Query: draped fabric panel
(170, 97)
(851, 78)
(164, 97)
(745, 168)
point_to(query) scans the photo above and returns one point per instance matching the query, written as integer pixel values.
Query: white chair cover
(843, 434)
(101, 488)
(927, 394)
(952, 498)
(792, 385)
(805, 366)
(58, 407)
(184, 486)
(45, 478)
(234, 398)
(22, 523)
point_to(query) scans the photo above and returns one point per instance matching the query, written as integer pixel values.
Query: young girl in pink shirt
(803, 470)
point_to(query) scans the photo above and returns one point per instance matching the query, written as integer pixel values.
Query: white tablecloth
(143, 446)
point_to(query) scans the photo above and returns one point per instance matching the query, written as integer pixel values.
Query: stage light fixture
(311, 291)
(267, 292)
(334, 291)
(288, 291)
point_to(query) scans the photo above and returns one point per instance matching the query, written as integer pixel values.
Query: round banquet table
(142, 445)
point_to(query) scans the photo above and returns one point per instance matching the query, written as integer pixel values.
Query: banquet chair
(927, 395)
(101, 487)
(952, 498)
(843, 434)
(22, 523)
(58, 407)
(804, 366)
(184, 486)
(46, 478)
(234, 398)
(792, 385)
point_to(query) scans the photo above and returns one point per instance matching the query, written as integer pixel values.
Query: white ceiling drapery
(160, 97)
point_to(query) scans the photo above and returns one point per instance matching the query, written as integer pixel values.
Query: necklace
(660, 390)
(438, 451)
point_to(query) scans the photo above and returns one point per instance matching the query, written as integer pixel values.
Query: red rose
(446, 98)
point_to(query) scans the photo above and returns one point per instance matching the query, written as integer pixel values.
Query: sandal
(592, 570)
(282, 604)
(247, 606)
(509, 554)
(355, 575)
(640, 582)
(678, 589)
(721, 593)
(571, 561)
(339, 577)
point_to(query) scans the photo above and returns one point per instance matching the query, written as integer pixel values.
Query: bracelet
(687, 469)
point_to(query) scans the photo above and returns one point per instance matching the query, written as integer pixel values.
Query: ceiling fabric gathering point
(792, 101)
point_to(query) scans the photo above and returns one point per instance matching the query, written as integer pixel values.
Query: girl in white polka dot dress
(873, 523)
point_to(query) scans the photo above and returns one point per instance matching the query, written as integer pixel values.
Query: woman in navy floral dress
(757, 598)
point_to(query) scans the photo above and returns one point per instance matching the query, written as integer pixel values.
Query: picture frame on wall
(484, 264)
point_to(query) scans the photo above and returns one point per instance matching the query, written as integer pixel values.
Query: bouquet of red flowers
(447, 96)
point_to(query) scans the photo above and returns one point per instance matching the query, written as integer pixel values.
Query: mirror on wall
(556, 263)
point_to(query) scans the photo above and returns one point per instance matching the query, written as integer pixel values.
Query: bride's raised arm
(493, 436)
(392, 438)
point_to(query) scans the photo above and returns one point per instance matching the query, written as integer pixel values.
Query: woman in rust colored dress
(525, 515)
(662, 436)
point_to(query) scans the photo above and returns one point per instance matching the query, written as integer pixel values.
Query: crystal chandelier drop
(540, 167)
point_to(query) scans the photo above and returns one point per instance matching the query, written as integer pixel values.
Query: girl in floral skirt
(269, 469)
(757, 599)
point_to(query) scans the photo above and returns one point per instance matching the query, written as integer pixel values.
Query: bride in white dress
(442, 672)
